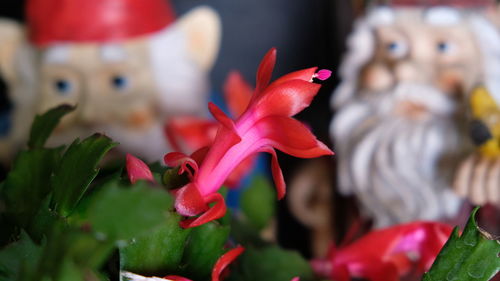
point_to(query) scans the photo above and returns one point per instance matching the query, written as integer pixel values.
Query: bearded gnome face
(398, 109)
(418, 48)
(128, 87)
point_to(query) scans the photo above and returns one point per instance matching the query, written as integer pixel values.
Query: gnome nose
(479, 132)
(410, 71)
(86, 116)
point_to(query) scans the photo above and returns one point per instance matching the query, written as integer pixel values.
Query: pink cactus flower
(265, 125)
(188, 133)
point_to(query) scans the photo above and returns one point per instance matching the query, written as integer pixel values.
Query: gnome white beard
(389, 161)
(149, 144)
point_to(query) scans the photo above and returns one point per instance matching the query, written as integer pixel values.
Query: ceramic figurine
(127, 65)
(18, 88)
(478, 177)
(399, 111)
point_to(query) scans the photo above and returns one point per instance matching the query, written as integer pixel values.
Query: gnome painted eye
(397, 49)
(63, 86)
(120, 82)
(445, 47)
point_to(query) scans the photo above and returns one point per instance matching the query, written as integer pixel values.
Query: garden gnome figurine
(17, 86)
(399, 111)
(127, 65)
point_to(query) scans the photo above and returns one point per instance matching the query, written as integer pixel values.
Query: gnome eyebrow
(442, 16)
(382, 16)
(56, 54)
(112, 53)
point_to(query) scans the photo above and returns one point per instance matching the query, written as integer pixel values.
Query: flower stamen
(322, 75)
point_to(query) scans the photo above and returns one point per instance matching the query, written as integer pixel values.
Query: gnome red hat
(51, 21)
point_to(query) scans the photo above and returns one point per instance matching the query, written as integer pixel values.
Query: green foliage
(44, 125)
(158, 252)
(58, 230)
(270, 264)
(204, 247)
(28, 183)
(71, 272)
(121, 213)
(112, 215)
(258, 202)
(158, 171)
(171, 179)
(42, 221)
(70, 250)
(474, 255)
(18, 255)
(76, 170)
(246, 234)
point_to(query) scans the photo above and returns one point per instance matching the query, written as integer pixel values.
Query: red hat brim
(51, 21)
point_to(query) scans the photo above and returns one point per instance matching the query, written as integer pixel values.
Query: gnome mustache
(390, 147)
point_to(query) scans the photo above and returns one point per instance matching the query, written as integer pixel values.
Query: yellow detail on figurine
(485, 126)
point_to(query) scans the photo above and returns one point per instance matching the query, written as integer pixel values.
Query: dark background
(306, 33)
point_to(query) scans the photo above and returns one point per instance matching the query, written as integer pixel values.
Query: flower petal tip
(137, 170)
(224, 261)
(326, 150)
(197, 206)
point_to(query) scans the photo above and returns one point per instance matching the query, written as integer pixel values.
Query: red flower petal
(188, 134)
(341, 273)
(186, 163)
(287, 99)
(220, 116)
(304, 75)
(237, 93)
(240, 171)
(224, 140)
(279, 181)
(176, 278)
(377, 270)
(291, 137)
(265, 71)
(323, 268)
(199, 155)
(224, 261)
(383, 254)
(429, 248)
(189, 202)
(137, 170)
(217, 211)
